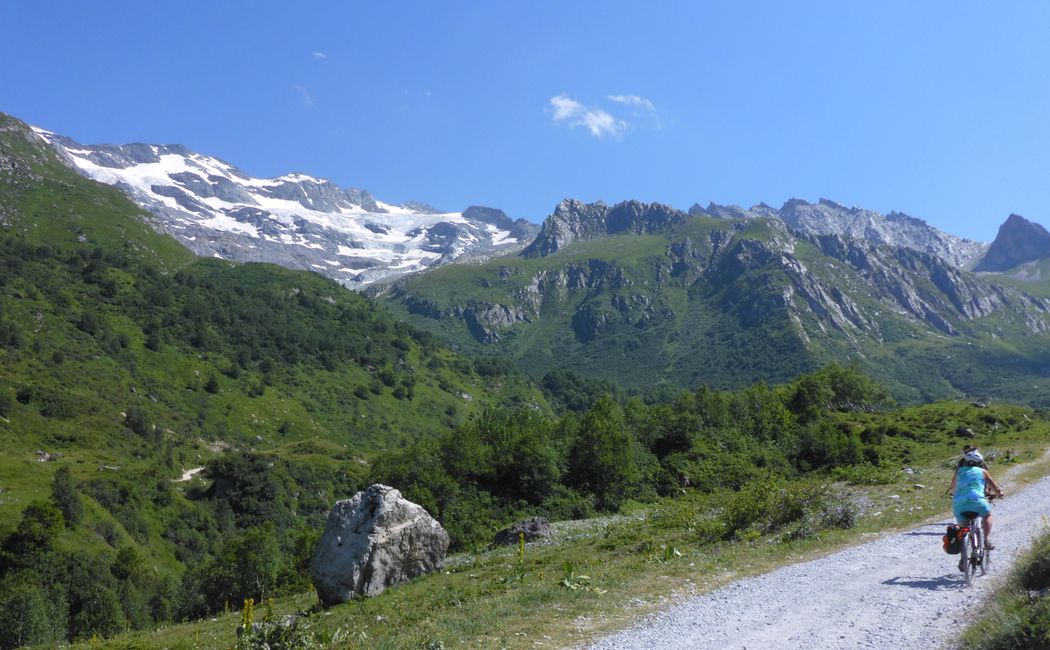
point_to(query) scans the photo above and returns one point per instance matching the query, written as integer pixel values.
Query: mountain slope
(295, 220)
(1019, 241)
(692, 299)
(126, 360)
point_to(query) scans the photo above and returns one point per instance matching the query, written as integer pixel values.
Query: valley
(692, 397)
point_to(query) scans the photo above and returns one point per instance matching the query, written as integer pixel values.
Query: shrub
(1034, 571)
(212, 387)
(767, 504)
(65, 495)
(135, 419)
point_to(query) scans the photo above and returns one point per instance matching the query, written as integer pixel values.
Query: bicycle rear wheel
(986, 555)
(964, 559)
(976, 552)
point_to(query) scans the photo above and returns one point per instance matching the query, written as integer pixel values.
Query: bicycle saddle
(970, 514)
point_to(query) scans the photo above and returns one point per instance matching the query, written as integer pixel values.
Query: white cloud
(565, 107)
(320, 55)
(304, 92)
(566, 110)
(633, 100)
(641, 108)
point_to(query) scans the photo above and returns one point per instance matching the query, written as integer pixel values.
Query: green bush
(1033, 572)
(64, 494)
(766, 505)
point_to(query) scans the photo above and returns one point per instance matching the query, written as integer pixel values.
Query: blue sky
(937, 109)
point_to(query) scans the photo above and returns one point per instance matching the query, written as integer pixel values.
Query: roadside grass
(598, 576)
(1019, 614)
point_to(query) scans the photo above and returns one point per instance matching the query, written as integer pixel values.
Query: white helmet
(973, 457)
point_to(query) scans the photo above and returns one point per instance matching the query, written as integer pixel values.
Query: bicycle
(975, 554)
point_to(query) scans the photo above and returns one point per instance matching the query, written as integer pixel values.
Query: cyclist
(968, 489)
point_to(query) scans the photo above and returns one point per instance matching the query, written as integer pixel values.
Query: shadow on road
(948, 582)
(929, 530)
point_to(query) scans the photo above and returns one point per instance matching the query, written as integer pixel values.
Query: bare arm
(951, 488)
(988, 478)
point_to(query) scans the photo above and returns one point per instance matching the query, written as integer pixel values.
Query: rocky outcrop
(1018, 241)
(590, 320)
(372, 541)
(573, 220)
(485, 320)
(529, 529)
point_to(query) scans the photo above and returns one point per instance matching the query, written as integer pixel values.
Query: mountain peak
(1018, 241)
(1017, 221)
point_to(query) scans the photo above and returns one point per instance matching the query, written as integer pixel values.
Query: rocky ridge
(752, 286)
(829, 218)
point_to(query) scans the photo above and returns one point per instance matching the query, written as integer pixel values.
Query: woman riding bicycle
(968, 488)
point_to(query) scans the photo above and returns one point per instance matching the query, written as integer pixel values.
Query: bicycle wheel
(964, 559)
(975, 553)
(986, 555)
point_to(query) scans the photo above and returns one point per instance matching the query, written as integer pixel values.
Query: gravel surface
(899, 591)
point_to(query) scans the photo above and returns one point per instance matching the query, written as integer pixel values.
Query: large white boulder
(374, 540)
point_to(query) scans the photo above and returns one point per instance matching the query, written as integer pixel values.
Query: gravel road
(900, 591)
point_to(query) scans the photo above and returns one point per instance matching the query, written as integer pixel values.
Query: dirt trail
(900, 591)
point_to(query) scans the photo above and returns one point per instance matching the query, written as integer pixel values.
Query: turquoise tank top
(969, 484)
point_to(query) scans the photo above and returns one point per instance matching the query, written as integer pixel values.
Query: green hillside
(707, 488)
(729, 303)
(126, 361)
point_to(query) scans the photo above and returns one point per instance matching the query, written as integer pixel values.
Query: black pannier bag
(952, 540)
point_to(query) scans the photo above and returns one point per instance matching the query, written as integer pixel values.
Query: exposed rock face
(829, 218)
(372, 541)
(533, 529)
(1018, 241)
(485, 320)
(574, 220)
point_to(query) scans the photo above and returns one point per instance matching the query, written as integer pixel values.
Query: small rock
(919, 486)
(534, 528)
